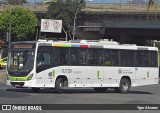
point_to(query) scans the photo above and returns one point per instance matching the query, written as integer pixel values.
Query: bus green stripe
(53, 73)
(66, 45)
(98, 74)
(62, 45)
(12, 78)
(148, 74)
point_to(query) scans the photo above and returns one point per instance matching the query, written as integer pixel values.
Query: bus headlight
(30, 77)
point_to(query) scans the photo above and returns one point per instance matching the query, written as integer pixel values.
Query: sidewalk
(2, 76)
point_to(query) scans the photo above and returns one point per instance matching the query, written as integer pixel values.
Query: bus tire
(100, 90)
(59, 85)
(124, 86)
(35, 90)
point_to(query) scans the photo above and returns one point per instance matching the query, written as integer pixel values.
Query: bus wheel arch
(61, 81)
(125, 84)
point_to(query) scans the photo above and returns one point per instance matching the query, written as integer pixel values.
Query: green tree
(23, 23)
(15, 2)
(65, 10)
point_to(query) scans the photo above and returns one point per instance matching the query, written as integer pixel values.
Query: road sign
(50, 25)
(56, 25)
(46, 24)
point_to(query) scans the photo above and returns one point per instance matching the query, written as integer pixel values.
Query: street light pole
(65, 33)
(10, 11)
(75, 16)
(120, 3)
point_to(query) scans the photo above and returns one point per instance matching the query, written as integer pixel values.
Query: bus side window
(115, 57)
(111, 57)
(43, 59)
(91, 56)
(40, 59)
(82, 54)
(142, 58)
(61, 56)
(99, 56)
(73, 56)
(65, 56)
(138, 59)
(145, 58)
(107, 56)
(153, 59)
(57, 56)
(127, 58)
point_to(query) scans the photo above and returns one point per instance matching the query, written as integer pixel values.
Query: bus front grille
(17, 84)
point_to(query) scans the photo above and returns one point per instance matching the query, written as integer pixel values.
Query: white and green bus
(79, 64)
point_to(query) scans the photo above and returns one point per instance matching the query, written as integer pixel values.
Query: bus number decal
(66, 70)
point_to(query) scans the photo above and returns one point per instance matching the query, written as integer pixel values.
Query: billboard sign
(50, 25)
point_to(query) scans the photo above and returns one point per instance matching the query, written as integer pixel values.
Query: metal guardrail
(122, 8)
(94, 7)
(32, 7)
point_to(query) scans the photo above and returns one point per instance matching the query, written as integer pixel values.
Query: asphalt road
(137, 95)
(2, 70)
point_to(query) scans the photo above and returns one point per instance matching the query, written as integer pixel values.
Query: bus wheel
(124, 86)
(100, 90)
(35, 90)
(59, 85)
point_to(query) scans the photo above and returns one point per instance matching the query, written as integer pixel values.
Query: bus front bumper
(30, 83)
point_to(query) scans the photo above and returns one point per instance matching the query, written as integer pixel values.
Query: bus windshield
(21, 60)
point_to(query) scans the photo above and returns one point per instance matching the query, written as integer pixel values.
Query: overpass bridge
(126, 23)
